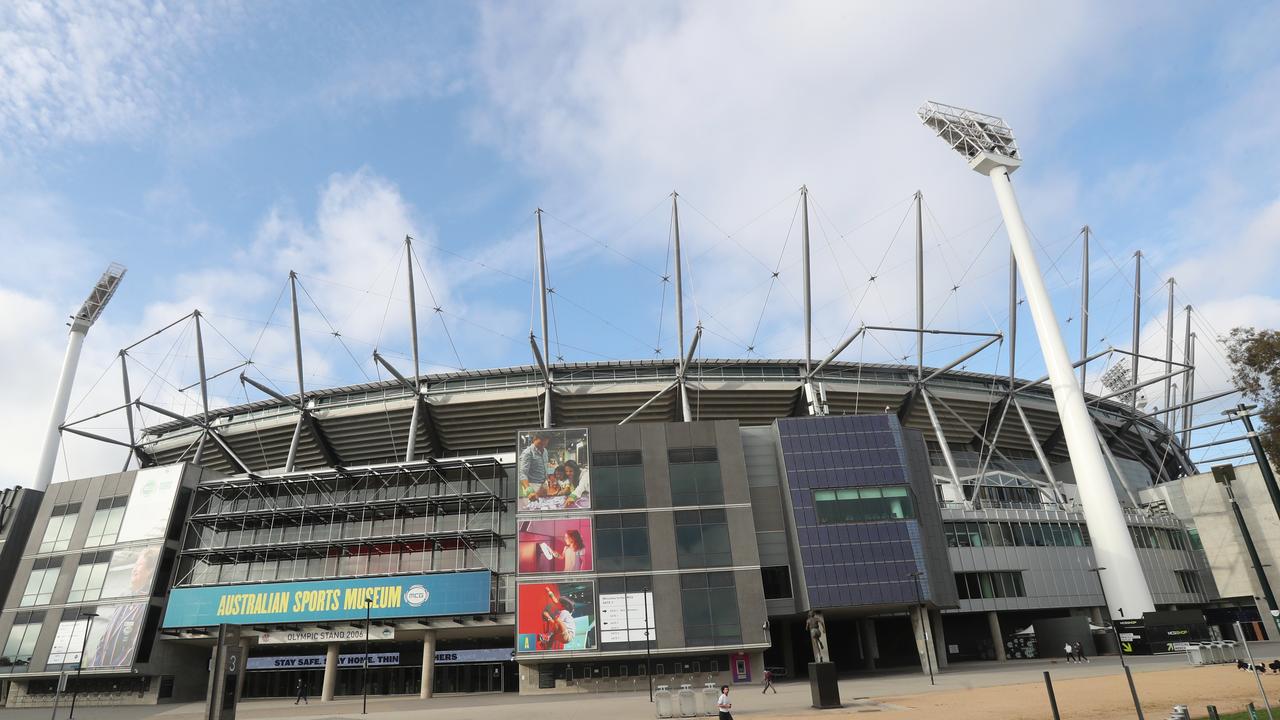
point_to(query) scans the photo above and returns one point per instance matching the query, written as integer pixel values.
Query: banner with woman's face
(555, 545)
(552, 617)
(552, 470)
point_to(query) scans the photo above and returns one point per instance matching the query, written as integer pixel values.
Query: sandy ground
(1092, 698)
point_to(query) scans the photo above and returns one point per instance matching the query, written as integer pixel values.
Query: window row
(449, 555)
(988, 585)
(126, 572)
(284, 532)
(1151, 538)
(863, 504)
(57, 534)
(449, 481)
(21, 643)
(1189, 581)
(1016, 534)
(622, 542)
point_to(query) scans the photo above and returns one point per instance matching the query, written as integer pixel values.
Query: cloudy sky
(213, 147)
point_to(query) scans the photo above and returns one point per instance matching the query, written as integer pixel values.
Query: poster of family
(552, 470)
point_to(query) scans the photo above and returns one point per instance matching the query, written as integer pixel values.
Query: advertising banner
(113, 635)
(555, 546)
(67, 642)
(485, 655)
(461, 593)
(552, 470)
(146, 517)
(321, 635)
(297, 662)
(131, 571)
(555, 616)
(625, 616)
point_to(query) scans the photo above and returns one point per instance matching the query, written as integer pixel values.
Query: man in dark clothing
(768, 683)
(302, 693)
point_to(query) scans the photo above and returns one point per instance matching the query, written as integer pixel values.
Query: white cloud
(359, 226)
(736, 107)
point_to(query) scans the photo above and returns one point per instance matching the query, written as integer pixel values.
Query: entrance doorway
(470, 678)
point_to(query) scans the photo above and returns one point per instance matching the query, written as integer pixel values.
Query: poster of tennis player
(555, 616)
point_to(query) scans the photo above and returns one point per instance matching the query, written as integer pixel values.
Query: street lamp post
(988, 144)
(364, 680)
(84, 646)
(1133, 690)
(924, 622)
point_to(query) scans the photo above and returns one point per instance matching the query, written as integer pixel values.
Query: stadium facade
(924, 529)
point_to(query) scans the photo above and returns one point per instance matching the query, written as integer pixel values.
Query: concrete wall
(1202, 504)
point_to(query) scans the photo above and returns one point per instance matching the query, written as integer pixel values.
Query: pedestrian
(1070, 650)
(723, 704)
(768, 683)
(1079, 648)
(302, 693)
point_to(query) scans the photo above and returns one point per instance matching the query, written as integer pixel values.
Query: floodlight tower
(988, 144)
(80, 324)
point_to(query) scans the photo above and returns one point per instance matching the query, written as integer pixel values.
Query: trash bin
(710, 696)
(1196, 654)
(688, 701)
(662, 702)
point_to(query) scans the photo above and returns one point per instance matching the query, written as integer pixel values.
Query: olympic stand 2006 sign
(463, 593)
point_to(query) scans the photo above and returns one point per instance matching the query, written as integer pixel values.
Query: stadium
(566, 527)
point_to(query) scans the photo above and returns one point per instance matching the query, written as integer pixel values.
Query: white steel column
(1137, 326)
(1084, 308)
(1168, 356)
(1113, 549)
(919, 286)
(542, 307)
(411, 449)
(686, 411)
(61, 398)
(428, 664)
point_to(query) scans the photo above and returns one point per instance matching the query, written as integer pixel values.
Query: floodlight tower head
(98, 298)
(986, 141)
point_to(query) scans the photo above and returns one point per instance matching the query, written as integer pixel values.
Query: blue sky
(212, 148)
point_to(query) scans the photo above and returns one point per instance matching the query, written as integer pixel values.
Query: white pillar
(924, 645)
(867, 633)
(997, 639)
(1123, 579)
(939, 637)
(330, 673)
(49, 454)
(428, 664)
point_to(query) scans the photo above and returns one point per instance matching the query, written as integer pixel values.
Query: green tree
(1255, 367)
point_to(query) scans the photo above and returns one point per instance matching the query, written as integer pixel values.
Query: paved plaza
(1004, 690)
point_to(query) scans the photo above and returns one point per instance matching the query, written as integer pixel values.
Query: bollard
(1134, 692)
(1213, 712)
(1053, 700)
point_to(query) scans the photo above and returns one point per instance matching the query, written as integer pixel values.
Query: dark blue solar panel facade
(863, 563)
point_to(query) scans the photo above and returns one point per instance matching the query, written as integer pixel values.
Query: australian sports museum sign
(463, 593)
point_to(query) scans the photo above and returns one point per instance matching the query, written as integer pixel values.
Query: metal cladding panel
(851, 564)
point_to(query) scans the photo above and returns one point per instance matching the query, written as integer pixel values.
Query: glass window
(867, 504)
(57, 534)
(91, 573)
(989, 585)
(777, 582)
(710, 609)
(702, 538)
(106, 521)
(695, 477)
(39, 589)
(21, 643)
(622, 542)
(618, 487)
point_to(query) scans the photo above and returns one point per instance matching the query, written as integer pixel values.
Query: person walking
(1070, 650)
(1079, 648)
(768, 683)
(723, 704)
(302, 693)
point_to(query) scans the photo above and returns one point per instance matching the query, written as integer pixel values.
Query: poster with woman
(562, 545)
(552, 470)
(553, 617)
(131, 572)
